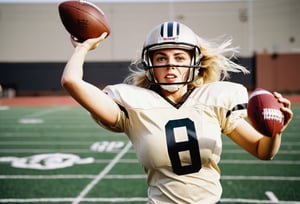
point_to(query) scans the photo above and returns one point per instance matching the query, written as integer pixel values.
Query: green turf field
(59, 155)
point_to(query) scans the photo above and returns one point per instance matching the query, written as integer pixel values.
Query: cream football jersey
(180, 147)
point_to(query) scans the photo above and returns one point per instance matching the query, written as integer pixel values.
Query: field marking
(3, 108)
(48, 177)
(47, 161)
(282, 144)
(84, 142)
(49, 134)
(31, 121)
(272, 196)
(280, 162)
(134, 160)
(45, 112)
(142, 176)
(241, 200)
(33, 117)
(259, 178)
(9, 150)
(32, 143)
(131, 200)
(100, 176)
(240, 151)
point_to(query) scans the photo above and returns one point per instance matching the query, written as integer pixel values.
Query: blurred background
(35, 46)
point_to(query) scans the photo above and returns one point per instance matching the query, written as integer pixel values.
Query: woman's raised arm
(89, 96)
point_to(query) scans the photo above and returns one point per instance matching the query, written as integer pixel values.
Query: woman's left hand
(286, 109)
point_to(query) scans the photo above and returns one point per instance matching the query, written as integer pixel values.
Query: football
(264, 112)
(83, 20)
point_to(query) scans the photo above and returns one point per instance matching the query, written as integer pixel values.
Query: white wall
(34, 33)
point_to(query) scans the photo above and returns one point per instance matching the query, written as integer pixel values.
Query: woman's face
(171, 74)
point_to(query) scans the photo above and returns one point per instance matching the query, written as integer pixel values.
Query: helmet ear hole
(201, 72)
(142, 65)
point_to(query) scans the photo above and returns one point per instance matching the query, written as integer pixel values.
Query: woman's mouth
(170, 77)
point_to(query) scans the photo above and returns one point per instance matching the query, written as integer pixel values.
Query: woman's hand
(286, 109)
(89, 44)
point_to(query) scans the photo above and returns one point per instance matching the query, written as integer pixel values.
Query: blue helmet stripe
(162, 30)
(177, 29)
(170, 29)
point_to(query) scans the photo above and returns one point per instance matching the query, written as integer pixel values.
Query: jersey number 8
(191, 145)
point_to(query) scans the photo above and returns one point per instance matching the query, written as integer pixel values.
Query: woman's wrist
(82, 48)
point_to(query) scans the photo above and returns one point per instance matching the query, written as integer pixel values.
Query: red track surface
(39, 101)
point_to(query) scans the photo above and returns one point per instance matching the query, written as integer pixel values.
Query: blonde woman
(173, 107)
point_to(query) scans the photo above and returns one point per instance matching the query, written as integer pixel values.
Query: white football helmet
(171, 35)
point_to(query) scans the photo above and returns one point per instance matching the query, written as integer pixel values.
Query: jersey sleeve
(114, 93)
(118, 127)
(235, 108)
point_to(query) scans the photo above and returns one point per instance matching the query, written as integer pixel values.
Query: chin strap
(172, 87)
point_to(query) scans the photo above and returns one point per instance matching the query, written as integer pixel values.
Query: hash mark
(272, 196)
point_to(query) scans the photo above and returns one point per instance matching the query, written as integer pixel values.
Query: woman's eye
(160, 59)
(180, 58)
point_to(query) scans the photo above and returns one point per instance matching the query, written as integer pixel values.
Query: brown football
(83, 20)
(264, 112)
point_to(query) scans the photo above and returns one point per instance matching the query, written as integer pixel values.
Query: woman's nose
(171, 62)
(170, 66)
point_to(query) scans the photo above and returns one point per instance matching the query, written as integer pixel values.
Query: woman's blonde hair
(215, 65)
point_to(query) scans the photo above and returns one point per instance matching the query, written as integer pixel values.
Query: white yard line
(255, 201)
(241, 151)
(33, 118)
(142, 176)
(283, 152)
(132, 200)
(285, 143)
(45, 112)
(256, 161)
(102, 174)
(260, 178)
(25, 143)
